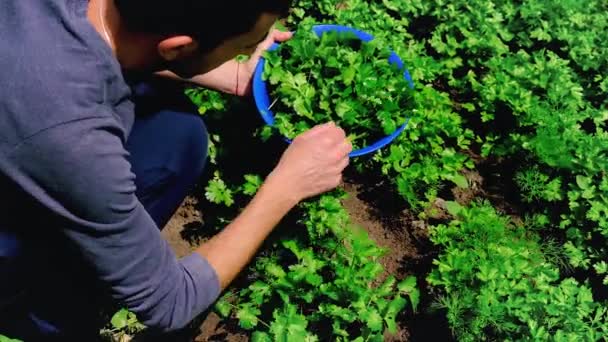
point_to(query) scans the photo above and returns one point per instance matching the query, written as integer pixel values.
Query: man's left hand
(247, 69)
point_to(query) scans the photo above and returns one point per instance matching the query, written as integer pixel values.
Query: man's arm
(312, 164)
(232, 77)
(81, 173)
(228, 252)
(222, 78)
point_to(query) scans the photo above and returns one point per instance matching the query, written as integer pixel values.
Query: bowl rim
(262, 96)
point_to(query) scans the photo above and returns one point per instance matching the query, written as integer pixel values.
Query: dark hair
(208, 21)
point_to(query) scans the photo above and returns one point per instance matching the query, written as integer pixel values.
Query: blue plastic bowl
(262, 100)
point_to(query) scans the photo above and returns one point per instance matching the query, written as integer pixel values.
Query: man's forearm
(222, 78)
(229, 251)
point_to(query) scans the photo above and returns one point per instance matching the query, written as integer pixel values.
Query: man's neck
(134, 51)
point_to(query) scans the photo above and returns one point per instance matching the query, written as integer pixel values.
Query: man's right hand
(313, 163)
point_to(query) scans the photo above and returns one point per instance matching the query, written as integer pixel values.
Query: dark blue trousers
(168, 149)
(168, 146)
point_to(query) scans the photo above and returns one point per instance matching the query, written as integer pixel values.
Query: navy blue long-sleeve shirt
(65, 115)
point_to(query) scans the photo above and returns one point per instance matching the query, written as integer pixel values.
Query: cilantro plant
(218, 192)
(322, 284)
(336, 77)
(122, 326)
(207, 100)
(428, 154)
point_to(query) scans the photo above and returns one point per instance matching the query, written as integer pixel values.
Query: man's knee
(191, 145)
(171, 160)
(196, 142)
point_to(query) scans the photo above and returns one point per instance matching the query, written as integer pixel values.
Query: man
(87, 184)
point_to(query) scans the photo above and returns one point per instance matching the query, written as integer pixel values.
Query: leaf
(372, 319)
(309, 296)
(223, 308)
(329, 290)
(6, 339)
(415, 298)
(259, 292)
(387, 121)
(344, 108)
(314, 279)
(348, 75)
(266, 133)
(338, 330)
(394, 307)
(248, 316)
(217, 192)
(583, 182)
(460, 181)
(345, 314)
(292, 245)
(259, 336)
(454, 208)
(290, 326)
(275, 270)
(407, 285)
(387, 287)
(311, 338)
(120, 320)
(242, 58)
(252, 184)
(601, 267)
(301, 107)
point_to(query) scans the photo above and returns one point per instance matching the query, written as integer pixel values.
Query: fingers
(280, 36)
(266, 43)
(337, 181)
(343, 163)
(263, 46)
(345, 148)
(273, 36)
(318, 129)
(335, 135)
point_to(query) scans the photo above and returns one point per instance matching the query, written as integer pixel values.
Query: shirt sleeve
(80, 171)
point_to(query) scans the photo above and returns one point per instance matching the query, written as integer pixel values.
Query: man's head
(199, 35)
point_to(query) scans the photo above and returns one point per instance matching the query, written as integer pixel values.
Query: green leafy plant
(207, 100)
(123, 326)
(218, 192)
(321, 283)
(252, 184)
(536, 185)
(7, 339)
(497, 283)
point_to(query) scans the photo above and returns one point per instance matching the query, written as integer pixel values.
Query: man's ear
(176, 47)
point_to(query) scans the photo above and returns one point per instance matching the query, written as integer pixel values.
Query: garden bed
(494, 198)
